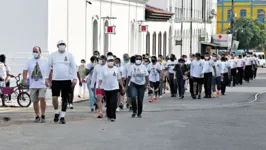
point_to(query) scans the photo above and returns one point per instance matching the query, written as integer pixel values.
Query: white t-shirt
(122, 72)
(126, 69)
(208, 66)
(232, 63)
(154, 74)
(110, 77)
(171, 65)
(218, 68)
(89, 66)
(247, 61)
(240, 62)
(225, 66)
(38, 70)
(98, 69)
(196, 68)
(3, 73)
(138, 74)
(64, 66)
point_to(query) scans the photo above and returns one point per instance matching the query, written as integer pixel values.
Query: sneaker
(68, 105)
(133, 115)
(130, 108)
(62, 120)
(112, 120)
(37, 119)
(194, 97)
(182, 97)
(71, 106)
(56, 118)
(215, 95)
(6, 119)
(161, 96)
(218, 93)
(151, 100)
(100, 115)
(199, 97)
(117, 109)
(139, 115)
(156, 99)
(92, 110)
(121, 106)
(42, 118)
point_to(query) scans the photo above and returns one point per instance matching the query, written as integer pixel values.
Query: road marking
(256, 97)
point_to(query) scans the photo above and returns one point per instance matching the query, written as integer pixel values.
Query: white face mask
(110, 64)
(206, 57)
(100, 61)
(138, 62)
(214, 58)
(61, 47)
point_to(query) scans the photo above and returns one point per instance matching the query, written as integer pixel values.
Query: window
(154, 44)
(164, 43)
(160, 43)
(148, 43)
(176, 12)
(260, 15)
(229, 12)
(243, 13)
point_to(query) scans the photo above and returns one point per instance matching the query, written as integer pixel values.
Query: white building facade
(82, 24)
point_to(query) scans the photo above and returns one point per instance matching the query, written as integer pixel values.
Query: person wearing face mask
(160, 62)
(240, 66)
(233, 65)
(146, 62)
(165, 75)
(108, 80)
(121, 92)
(98, 69)
(89, 72)
(82, 74)
(196, 74)
(64, 78)
(208, 70)
(248, 68)
(180, 74)
(224, 74)
(126, 59)
(139, 77)
(38, 70)
(154, 70)
(192, 57)
(170, 67)
(216, 80)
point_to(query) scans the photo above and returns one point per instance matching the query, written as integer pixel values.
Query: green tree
(250, 33)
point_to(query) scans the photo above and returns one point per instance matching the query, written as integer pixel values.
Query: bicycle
(19, 91)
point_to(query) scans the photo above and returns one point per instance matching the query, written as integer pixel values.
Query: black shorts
(63, 87)
(154, 85)
(198, 80)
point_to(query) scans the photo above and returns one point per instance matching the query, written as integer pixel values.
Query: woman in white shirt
(108, 80)
(138, 76)
(154, 70)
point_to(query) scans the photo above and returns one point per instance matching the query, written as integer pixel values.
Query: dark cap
(126, 57)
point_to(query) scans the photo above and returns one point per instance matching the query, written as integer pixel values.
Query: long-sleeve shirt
(98, 69)
(63, 65)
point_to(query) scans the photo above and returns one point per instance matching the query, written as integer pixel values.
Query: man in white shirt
(64, 77)
(99, 68)
(38, 70)
(3, 75)
(208, 69)
(240, 66)
(192, 57)
(233, 64)
(248, 67)
(224, 74)
(196, 73)
(216, 80)
(170, 67)
(256, 63)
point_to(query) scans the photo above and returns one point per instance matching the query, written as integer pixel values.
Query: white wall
(23, 25)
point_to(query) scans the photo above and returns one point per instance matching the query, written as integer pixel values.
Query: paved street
(231, 122)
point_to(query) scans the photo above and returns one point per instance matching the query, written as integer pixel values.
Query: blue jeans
(91, 93)
(137, 91)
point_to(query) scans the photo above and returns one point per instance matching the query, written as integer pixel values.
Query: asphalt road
(230, 122)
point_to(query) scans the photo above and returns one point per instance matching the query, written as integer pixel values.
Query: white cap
(61, 42)
(110, 58)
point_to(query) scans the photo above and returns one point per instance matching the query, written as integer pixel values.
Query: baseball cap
(126, 56)
(61, 42)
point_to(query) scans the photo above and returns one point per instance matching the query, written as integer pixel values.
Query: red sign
(110, 29)
(220, 36)
(143, 28)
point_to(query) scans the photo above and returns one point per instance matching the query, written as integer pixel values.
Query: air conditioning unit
(110, 30)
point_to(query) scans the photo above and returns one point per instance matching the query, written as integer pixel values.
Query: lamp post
(233, 19)
(86, 23)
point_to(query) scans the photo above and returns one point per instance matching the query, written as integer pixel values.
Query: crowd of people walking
(112, 80)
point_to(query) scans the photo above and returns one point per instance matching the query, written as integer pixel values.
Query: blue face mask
(35, 55)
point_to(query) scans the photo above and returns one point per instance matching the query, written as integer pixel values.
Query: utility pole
(233, 19)
(191, 23)
(182, 17)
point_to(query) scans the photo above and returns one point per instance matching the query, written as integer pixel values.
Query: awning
(211, 44)
(156, 14)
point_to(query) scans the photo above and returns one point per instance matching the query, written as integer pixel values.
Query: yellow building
(243, 8)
